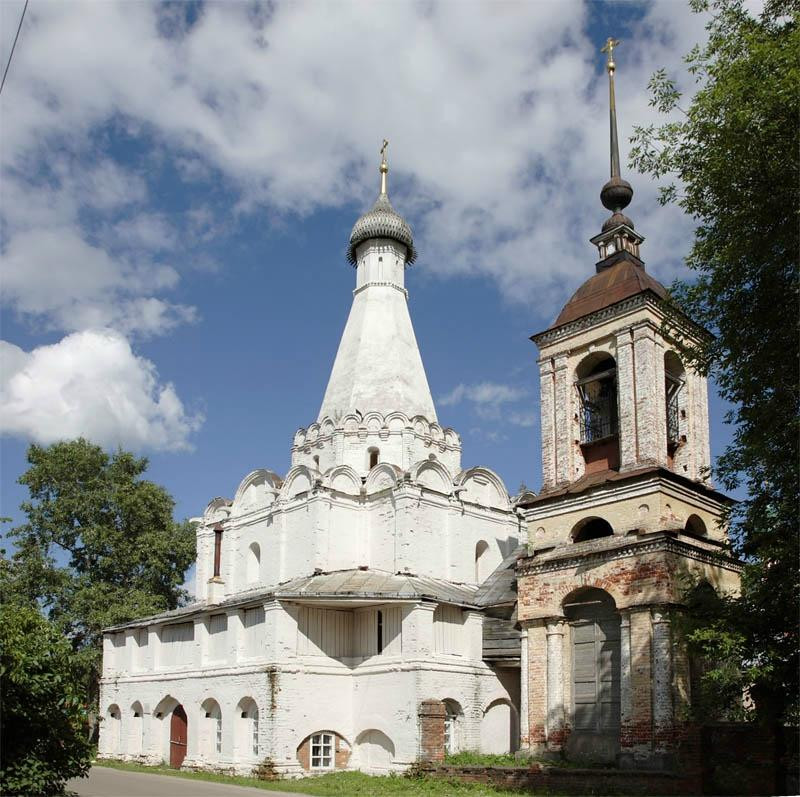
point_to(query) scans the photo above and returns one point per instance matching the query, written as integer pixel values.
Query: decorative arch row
(262, 487)
(131, 734)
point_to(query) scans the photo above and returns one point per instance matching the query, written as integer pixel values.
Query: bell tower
(615, 395)
(627, 521)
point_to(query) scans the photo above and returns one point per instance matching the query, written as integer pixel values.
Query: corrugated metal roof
(337, 585)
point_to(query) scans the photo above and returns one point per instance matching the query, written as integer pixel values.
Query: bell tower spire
(617, 232)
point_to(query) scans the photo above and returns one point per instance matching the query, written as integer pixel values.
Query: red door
(177, 737)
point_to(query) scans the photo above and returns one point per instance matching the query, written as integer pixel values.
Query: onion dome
(382, 221)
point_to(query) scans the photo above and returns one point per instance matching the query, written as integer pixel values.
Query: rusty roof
(610, 285)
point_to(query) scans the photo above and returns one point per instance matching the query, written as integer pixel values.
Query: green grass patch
(336, 784)
(471, 758)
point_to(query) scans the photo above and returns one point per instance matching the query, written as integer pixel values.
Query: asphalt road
(107, 782)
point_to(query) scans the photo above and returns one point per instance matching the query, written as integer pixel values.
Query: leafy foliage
(44, 740)
(99, 547)
(730, 160)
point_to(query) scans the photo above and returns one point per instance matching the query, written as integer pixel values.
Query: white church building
(334, 601)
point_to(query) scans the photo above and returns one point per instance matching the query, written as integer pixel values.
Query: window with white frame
(322, 751)
(254, 717)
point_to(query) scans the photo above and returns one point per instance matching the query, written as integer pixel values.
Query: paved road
(107, 782)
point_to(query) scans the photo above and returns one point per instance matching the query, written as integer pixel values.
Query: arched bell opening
(594, 625)
(598, 413)
(675, 403)
(592, 528)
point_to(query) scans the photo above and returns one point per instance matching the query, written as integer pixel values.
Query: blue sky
(179, 184)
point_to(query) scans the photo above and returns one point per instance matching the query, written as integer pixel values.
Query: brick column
(524, 742)
(548, 421)
(431, 716)
(639, 733)
(650, 423)
(536, 685)
(563, 420)
(625, 689)
(663, 715)
(555, 683)
(626, 397)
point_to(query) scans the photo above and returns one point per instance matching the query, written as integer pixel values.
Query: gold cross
(609, 48)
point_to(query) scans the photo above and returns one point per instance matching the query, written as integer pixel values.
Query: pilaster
(626, 397)
(548, 421)
(555, 684)
(649, 411)
(663, 709)
(563, 419)
(524, 719)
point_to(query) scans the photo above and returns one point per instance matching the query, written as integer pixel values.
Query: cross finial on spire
(609, 48)
(384, 168)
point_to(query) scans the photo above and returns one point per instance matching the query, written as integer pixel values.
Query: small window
(316, 461)
(374, 457)
(322, 751)
(217, 551)
(380, 632)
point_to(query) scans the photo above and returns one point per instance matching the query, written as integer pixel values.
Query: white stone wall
(297, 693)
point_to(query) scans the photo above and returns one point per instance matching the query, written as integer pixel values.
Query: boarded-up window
(217, 637)
(448, 630)
(324, 632)
(378, 631)
(254, 631)
(177, 645)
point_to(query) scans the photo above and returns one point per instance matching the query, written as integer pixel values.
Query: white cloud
(496, 114)
(484, 394)
(91, 384)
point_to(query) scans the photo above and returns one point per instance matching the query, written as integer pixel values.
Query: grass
(336, 784)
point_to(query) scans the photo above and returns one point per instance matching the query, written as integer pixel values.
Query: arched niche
(253, 563)
(136, 729)
(257, 489)
(591, 528)
(113, 720)
(217, 510)
(499, 728)
(299, 479)
(343, 479)
(484, 487)
(247, 730)
(481, 560)
(594, 638)
(397, 421)
(211, 729)
(598, 412)
(374, 751)
(383, 476)
(433, 475)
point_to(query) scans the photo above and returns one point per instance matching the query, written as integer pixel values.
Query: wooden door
(177, 737)
(595, 674)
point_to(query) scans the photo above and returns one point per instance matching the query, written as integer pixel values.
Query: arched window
(212, 729)
(136, 733)
(114, 719)
(254, 563)
(481, 557)
(247, 742)
(217, 550)
(674, 381)
(374, 455)
(597, 391)
(591, 529)
(452, 726)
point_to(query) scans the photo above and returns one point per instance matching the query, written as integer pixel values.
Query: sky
(179, 181)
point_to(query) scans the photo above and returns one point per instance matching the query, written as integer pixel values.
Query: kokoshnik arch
(379, 604)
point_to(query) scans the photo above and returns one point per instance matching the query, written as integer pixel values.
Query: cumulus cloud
(497, 115)
(91, 384)
(489, 401)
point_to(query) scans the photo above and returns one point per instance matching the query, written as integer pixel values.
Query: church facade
(379, 604)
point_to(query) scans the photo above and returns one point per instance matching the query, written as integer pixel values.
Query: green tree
(729, 158)
(100, 546)
(43, 733)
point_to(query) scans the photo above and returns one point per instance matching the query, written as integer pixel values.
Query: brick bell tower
(627, 521)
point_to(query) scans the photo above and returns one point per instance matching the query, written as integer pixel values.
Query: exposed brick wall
(431, 730)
